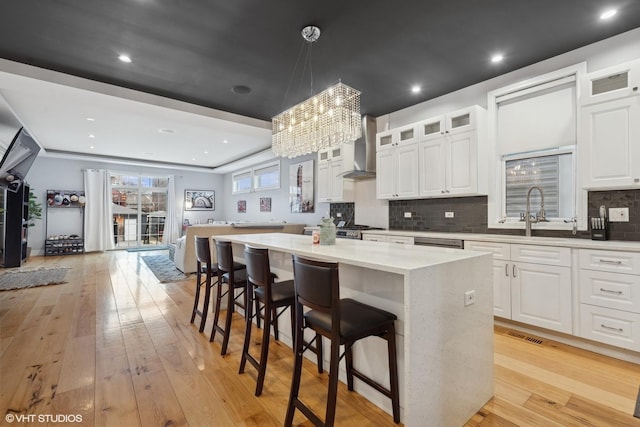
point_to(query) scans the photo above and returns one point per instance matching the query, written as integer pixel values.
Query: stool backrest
(203, 251)
(258, 268)
(316, 284)
(225, 255)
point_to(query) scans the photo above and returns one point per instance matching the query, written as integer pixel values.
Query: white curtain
(170, 234)
(98, 229)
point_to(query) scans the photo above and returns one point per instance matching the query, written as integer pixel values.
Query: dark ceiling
(197, 50)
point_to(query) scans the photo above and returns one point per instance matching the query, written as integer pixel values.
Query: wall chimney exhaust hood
(364, 164)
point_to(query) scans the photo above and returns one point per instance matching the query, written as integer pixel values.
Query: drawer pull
(606, 261)
(513, 270)
(610, 328)
(506, 270)
(609, 291)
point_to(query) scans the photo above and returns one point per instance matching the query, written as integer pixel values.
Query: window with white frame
(264, 177)
(536, 145)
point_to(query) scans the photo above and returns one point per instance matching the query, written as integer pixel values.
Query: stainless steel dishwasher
(440, 242)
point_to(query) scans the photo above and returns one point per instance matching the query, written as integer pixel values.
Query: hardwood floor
(115, 347)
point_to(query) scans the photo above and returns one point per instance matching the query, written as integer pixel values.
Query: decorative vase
(327, 232)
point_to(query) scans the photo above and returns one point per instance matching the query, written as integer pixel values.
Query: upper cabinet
(395, 137)
(610, 120)
(332, 163)
(449, 154)
(397, 172)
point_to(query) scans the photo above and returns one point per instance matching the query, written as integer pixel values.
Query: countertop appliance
(348, 232)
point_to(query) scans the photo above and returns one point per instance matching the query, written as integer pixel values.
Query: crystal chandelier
(328, 119)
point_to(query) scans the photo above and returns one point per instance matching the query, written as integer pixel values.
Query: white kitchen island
(445, 349)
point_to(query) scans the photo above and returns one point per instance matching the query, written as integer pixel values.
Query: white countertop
(374, 255)
(502, 238)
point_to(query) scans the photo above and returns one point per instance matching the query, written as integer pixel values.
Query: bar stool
(205, 274)
(233, 274)
(272, 296)
(343, 322)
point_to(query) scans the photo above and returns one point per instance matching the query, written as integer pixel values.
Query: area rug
(163, 268)
(148, 248)
(20, 279)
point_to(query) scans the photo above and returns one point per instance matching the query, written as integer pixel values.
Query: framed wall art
(199, 200)
(242, 206)
(301, 187)
(265, 204)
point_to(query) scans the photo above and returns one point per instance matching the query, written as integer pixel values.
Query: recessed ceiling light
(225, 142)
(166, 131)
(92, 147)
(91, 119)
(415, 89)
(206, 152)
(609, 13)
(91, 135)
(497, 58)
(125, 58)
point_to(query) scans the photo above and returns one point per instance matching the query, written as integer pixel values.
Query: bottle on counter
(327, 232)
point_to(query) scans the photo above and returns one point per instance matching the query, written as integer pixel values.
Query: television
(17, 160)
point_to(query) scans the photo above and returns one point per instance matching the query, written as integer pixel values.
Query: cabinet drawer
(612, 290)
(549, 255)
(500, 250)
(374, 238)
(402, 240)
(616, 261)
(614, 327)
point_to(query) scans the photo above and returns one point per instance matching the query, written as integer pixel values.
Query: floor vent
(525, 337)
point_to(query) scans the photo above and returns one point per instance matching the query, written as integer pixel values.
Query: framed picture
(199, 200)
(242, 206)
(301, 187)
(265, 204)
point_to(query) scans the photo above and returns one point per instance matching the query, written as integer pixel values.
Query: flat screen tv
(17, 160)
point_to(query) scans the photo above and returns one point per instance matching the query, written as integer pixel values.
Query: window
(552, 172)
(264, 177)
(534, 127)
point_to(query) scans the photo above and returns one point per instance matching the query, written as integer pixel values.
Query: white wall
(48, 173)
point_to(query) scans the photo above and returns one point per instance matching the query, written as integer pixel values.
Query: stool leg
(297, 367)
(264, 350)
(216, 312)
(348, 358)
(205, 304)
(196, 298)
(319, 353)
(274, 318)
(227, 322)
(258, 318)
(393, 373)
(247, 331)
(333, 383)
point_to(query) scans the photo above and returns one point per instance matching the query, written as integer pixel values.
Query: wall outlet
(407, 214)
(339, 214)
(618, 214)
(469, 298)
(449, 214)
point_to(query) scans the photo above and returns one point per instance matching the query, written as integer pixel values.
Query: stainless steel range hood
(364, 164)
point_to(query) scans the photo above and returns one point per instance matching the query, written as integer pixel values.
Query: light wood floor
(115, 346)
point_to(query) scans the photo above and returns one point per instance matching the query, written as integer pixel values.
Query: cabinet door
(385, 174)
(611, 131)
(619, 81)
(462, 164)
(432, 167)
(431, 129)
(501, 289)
(541, 296)
(384, 139)
(324, 182)
(335, 176)
(323, 156)
(461, 121)
(406, 165)
(407, 135)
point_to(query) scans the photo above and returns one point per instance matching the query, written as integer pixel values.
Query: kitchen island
(445, 345)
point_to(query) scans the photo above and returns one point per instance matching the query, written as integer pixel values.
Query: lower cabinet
(610, 297)
(532, 284)
(401, 240)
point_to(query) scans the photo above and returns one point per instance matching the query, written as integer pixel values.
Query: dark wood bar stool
(271, 297)
(234, 275)
(207, 276)
(343, 322)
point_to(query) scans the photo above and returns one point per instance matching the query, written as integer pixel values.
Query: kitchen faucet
(540, 216)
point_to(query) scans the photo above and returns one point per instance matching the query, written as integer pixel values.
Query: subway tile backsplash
(470, 215)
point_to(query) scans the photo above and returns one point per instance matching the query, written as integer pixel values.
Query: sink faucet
(540, 216)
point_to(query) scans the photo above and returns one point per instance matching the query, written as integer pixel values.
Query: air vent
(527, 338)
(610, 83)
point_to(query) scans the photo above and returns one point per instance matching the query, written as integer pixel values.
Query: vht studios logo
(43, 418)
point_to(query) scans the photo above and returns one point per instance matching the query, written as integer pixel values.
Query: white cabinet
(610, 297)
(397, 171)
(449, 154)
(332, 163)
(532, 284)
(397, 136)
(610, 120)
(400, 240)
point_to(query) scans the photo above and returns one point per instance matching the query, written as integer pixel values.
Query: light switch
(618, 214)
(407, 214)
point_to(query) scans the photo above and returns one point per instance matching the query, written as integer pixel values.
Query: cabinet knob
(447, 191)
(635, 89)
(442, 191)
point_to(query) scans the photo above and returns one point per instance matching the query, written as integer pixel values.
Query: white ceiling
(54, 107)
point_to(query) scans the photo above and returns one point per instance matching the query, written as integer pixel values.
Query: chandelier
(326, 120)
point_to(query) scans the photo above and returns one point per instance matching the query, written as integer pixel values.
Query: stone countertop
(502, 238)
(401, 259)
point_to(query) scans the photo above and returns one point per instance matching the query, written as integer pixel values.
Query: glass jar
(327, 232)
